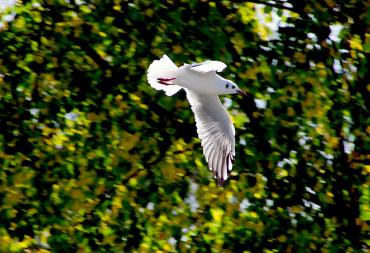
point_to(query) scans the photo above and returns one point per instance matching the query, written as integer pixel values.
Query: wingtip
(221, 177)
(221, 181)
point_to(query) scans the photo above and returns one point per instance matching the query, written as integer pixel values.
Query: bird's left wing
(208, 66)
(216, 131)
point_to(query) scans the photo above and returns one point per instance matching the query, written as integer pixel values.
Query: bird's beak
(242, 92)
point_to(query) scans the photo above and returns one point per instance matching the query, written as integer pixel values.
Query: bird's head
(230, 87)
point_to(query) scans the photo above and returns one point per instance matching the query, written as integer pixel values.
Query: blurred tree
(94, 160)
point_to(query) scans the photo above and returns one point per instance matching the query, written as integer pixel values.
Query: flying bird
(203, 86)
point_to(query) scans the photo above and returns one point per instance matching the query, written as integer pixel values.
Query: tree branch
(273, 5)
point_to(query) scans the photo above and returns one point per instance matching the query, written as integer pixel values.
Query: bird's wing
(208, 66)
(216, 131)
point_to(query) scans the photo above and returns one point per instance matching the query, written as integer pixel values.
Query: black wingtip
(220, 182)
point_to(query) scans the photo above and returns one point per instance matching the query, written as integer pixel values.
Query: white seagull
(203, 86)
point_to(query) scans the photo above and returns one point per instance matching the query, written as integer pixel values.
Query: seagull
(203, 86)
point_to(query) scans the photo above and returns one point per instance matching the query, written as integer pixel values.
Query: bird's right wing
(208, 66)
(216, 131)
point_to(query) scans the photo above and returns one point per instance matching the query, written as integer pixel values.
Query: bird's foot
(165, 81)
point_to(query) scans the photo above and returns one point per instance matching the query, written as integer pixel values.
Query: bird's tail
(165, 70)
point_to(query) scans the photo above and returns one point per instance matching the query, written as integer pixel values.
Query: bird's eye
(233, 87)
(227, 86)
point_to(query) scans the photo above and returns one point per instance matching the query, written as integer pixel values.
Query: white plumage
(202, 86)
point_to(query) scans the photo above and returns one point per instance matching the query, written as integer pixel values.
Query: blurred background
(95, 160)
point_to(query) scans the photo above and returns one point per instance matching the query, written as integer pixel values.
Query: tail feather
(163, 68)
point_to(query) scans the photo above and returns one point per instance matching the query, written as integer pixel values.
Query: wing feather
(211, 162)
(216, 131)
(208, 66)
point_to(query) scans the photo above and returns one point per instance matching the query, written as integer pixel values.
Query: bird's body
(202, 85)
(188, 78)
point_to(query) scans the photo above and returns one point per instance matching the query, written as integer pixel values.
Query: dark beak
(242, 92)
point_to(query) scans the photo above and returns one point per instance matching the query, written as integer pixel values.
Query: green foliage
(94, 160)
